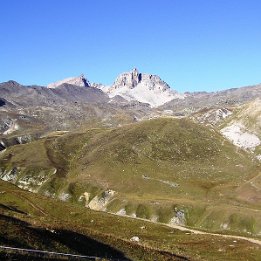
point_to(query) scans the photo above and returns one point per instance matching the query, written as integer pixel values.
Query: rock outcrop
(78, 81)
(129, 79)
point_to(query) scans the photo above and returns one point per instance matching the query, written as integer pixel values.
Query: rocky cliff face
(78, 81)
(145, 88)
(129, 79)
(133, 78)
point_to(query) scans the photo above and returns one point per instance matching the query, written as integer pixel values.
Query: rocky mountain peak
(142, 87)
(10, 83)
(78, 81)
(134, 78)
(129, 79)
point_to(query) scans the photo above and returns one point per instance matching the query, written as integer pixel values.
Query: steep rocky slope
(78, 81)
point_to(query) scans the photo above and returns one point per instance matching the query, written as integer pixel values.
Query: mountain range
(138, 150)
(63, 105)
(131, 86)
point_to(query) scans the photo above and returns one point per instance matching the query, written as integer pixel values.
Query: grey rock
(78, 81)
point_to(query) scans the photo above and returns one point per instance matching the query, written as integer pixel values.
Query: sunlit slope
(33, 221)
(243, 127)
(166, 170)
(249, 115)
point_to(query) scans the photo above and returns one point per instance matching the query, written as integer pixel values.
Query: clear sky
(193, 45)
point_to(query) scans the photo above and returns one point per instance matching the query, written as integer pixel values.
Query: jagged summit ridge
(129, 79)
(78, 81)
(133, 78)
(146, 88)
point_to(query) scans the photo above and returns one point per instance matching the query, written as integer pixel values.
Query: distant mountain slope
(34, 107)
(28, 96)
(28, 112)
(198, 100)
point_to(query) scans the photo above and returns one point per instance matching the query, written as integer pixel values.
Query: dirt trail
(252, 240)
(198, 232)
(181, 228)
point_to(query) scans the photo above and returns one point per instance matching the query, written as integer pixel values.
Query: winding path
(195, 231)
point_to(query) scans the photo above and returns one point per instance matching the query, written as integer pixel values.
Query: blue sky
(193, 45)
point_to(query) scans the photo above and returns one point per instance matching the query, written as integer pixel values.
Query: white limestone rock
(135, 239)
(99, 202)
(145, 88)
(238, 134)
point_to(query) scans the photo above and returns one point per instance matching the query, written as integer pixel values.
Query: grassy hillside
(166, 170)
(33, 221)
